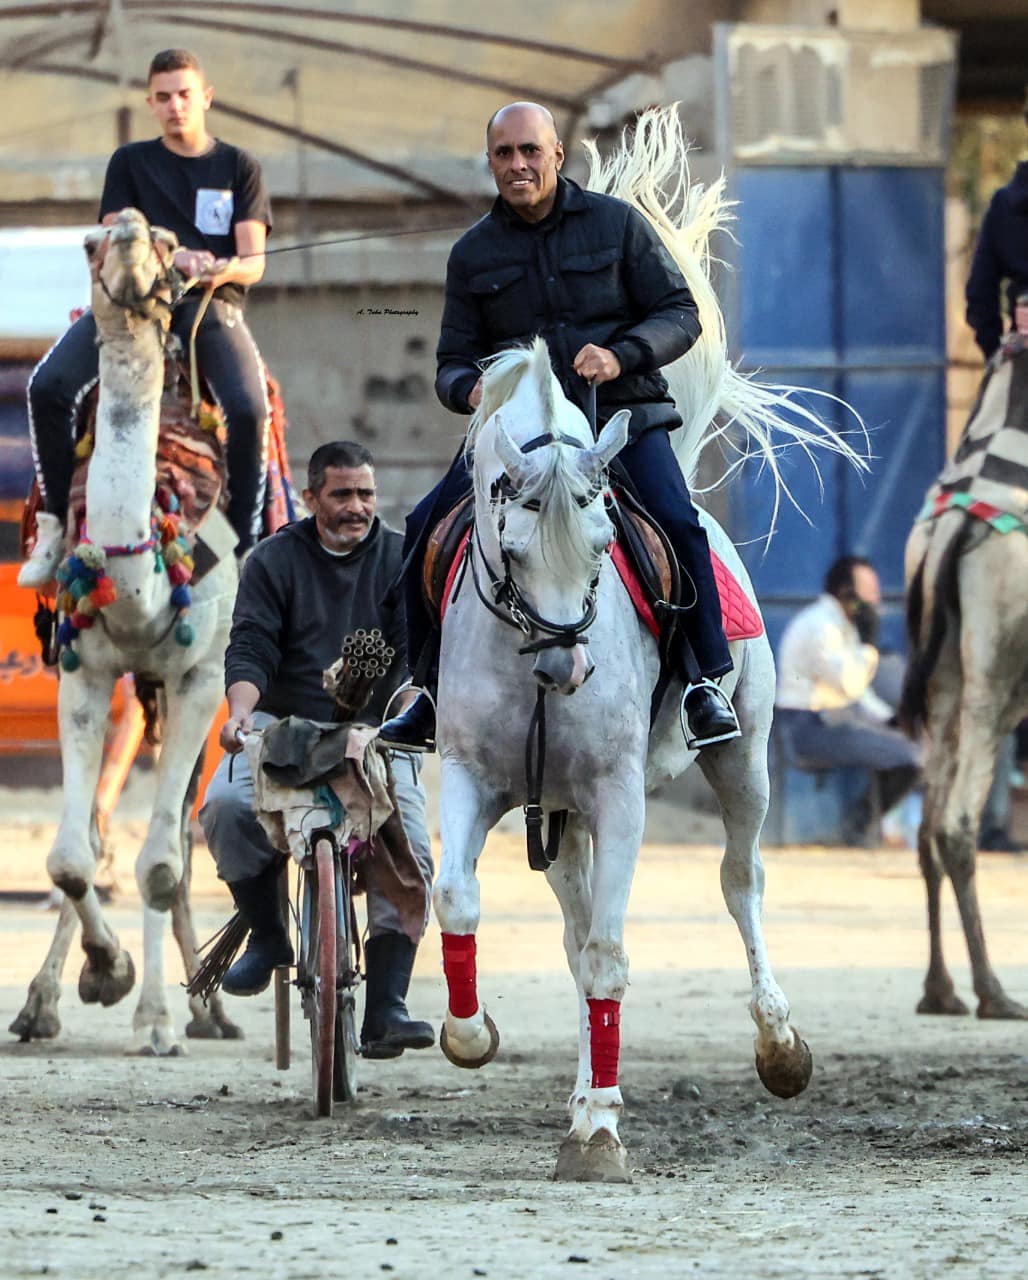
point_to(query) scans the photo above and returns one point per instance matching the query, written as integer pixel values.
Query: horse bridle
(506, 600)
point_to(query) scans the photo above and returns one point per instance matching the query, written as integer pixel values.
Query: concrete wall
(358, 363)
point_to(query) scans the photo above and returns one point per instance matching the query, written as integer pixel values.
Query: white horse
(140, 631)
(537, 571)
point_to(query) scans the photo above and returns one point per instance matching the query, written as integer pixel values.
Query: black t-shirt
(200, 198)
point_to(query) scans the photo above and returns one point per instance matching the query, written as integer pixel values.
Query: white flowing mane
(557, 482)
(650, 171)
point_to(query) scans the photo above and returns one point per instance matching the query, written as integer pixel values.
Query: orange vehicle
(28, 688)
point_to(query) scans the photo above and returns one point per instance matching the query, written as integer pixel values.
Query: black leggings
(229, 361)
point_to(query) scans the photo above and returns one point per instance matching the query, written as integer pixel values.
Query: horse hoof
(601, 1159)
(945, 1002)
(35, 1024)
(1001, 1007)
(105, 981)
(472, 1063)
(785, 1070)
(161, 887)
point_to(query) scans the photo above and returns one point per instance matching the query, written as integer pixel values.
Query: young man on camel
(212, 196)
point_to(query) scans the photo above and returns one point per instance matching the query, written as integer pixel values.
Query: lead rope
(194, 370)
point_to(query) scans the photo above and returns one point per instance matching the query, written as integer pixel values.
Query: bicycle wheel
(347, 1045)
(321, 973)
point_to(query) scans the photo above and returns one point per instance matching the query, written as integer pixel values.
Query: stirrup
(404, 688)
(693, 743)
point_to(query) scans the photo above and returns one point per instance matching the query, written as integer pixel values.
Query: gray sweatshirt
(296, 603)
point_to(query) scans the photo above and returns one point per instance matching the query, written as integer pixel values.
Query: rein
(509, 604)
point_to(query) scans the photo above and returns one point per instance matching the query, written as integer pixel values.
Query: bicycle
(328, 952)
(328, 972)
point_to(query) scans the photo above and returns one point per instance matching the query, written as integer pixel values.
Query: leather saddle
(643, 543)
(190, 462)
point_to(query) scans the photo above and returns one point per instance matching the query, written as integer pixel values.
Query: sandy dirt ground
(905, 1158)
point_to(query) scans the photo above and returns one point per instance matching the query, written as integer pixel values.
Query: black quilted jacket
(593, 270)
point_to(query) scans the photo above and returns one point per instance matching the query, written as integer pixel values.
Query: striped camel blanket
(988, 474)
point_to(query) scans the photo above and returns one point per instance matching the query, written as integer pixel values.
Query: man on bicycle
(302, 591)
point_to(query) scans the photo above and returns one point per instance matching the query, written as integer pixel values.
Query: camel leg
(209, 1021)
(83, 702)
(592, 1150)
(737, 771)
(191, 703)
(153, 1031)
(38, 1019)
(980, 730)
(466, 813)
(940, 995)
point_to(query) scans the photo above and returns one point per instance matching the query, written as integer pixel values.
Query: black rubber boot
(707, 717)
(268, 945)
(388, 1028)
(413, 729)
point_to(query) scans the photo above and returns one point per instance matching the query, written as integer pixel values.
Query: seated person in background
(828, 714)
(994, 834)
(302, 591)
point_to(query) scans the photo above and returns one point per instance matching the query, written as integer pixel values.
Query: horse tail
(650, 171)
(933, 606)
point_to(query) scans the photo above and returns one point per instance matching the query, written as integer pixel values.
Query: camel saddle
(190, 462)
(641, 554)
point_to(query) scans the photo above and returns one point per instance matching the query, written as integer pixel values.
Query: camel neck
(123, 468)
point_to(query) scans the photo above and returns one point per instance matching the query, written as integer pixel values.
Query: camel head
(130, 264)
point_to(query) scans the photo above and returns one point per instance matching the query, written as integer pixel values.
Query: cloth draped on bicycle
(292, 760)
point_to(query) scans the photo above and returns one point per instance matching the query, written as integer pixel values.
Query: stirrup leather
(691, 742)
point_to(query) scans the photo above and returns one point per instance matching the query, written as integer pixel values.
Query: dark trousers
(850, 738)
(229, 361)
(651, 466)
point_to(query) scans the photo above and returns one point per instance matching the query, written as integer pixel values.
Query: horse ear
(612, 440)
(514, 461)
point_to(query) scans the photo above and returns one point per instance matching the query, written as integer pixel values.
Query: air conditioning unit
(797, 95)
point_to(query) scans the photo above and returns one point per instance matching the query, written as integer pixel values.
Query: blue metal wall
(838, 285)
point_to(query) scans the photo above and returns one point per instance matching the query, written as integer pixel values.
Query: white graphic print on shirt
(213, 211)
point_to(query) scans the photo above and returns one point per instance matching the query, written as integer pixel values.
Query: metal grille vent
(793, 95)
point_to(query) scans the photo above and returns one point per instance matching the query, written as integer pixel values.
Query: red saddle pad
(739, 615)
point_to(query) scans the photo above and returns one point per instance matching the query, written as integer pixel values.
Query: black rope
(354, 239)
(540, 855)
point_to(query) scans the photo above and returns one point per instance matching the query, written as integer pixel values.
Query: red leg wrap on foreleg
(461, 974)
(604, 1041)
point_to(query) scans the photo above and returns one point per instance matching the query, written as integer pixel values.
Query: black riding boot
(268, 945)
(707, 717)
(413, 729)
(388, 1028)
